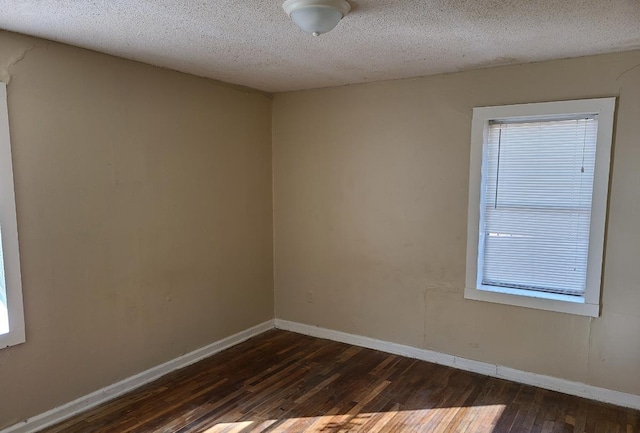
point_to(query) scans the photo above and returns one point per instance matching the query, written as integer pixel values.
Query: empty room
(319, 216)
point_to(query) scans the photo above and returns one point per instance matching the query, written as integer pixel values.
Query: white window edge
(589, 305)
(10, 248)
(534, 301)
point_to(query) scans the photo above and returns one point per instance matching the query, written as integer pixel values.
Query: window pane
(4, 313)
(537, 204)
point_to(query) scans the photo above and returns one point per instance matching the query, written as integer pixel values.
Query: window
(11, 311)
(538, 187)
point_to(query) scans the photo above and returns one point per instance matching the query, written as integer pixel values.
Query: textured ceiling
(253, 43)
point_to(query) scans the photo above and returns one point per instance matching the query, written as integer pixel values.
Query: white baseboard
(539, 380)
(110, 392)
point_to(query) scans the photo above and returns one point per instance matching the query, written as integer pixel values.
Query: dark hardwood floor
(286, 382)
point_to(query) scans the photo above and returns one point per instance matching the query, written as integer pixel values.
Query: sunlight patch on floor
(481, 418)
(229, 427)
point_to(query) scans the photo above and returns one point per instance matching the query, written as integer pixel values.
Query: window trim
(10, 248)
(589, 305)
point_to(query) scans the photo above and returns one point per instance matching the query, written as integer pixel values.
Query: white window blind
(538, 183)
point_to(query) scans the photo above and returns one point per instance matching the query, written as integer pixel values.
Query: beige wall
(144, 212)
(370, 199)
(144, 217)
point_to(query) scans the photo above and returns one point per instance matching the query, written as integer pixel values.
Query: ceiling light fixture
(316, 16)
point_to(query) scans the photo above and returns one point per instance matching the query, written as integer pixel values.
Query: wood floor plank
(286, 382)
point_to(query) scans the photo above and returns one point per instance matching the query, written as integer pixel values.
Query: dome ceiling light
(316, 16)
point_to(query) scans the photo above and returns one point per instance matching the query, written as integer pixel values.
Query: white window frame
(589, 304)
(9, 227)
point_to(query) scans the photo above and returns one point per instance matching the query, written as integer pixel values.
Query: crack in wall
(589, 349)
(625, 73)
(424, 319)
(5, 354)
(6, 72)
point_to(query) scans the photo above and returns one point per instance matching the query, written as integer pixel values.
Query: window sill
(538, 300)
(13, 338)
